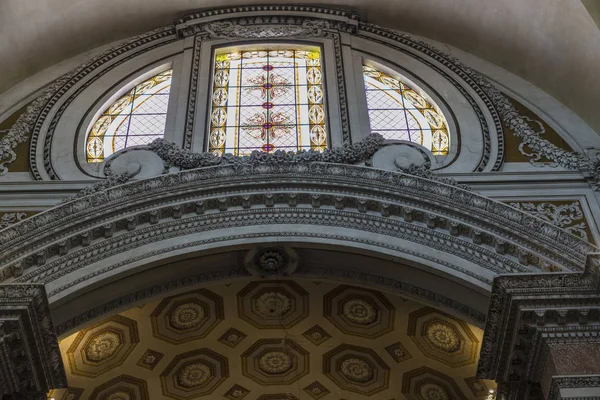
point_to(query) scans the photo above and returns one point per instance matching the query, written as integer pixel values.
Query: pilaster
(30, 360)
(542, 335)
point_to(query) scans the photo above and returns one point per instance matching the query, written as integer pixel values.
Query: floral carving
(193, 375)
(356, 369)
(8, 219)
(347, 154)
(228, 29)
(443, 336)
(275, 362)
(271, 261)
(150, 359)
(316, 335)
(432, 391)
(424, 171)
(236, 392)
(273, 304)
(102, 346)
(118, 395)
(359, 311)
(232, 337)
(569, 216)
(187, 316)
(316, 390)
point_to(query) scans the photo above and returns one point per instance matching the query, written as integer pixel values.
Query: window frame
(407, 76)
(208, 49)
(113, 93)
(262, 46)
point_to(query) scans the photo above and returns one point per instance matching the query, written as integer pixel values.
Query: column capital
(532, 315)
(30, 360)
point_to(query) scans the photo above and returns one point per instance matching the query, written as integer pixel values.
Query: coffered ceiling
(273, 340)
(554, 44)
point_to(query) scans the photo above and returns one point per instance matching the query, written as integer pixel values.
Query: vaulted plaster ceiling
(554, 44)
(275, 340)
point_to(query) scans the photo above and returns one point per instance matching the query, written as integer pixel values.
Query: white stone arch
(417, 228)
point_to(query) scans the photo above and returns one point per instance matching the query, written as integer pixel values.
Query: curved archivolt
(398, 112)
(135, 119)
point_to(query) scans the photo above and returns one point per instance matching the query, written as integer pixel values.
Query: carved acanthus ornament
(10, 218)
(568, 216)
(173, 156)
(271, 29)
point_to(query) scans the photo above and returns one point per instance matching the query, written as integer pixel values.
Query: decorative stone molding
(118, 219)
(566, 215)
(30, 360)
(10, 218)
(278, 14)
(271, 262)
(575, 382)
(173, 156)
(528, 315)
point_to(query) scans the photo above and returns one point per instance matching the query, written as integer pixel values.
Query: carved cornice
(568, 382)
(481, 231)
(30, 360)
(237, 22)
(528, 312)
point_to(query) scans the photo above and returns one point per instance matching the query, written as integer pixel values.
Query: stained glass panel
(267, 100)
(136, 118)
(397, 111)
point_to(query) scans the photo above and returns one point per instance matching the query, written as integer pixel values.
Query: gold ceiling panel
(102, 346)
(187, 317)
(193, 374)
(275, 362)
(357, 369)
(273, 304)
(275, 340)
(359, 312)
(123, 387)
(443, 337)
(425, 383)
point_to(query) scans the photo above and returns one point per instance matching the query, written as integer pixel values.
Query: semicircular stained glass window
(267, 100)
(398, 112)
(136, 118)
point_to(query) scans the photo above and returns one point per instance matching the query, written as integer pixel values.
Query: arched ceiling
(554, 44)
(275, 340)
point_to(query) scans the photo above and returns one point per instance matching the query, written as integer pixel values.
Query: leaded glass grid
(136, 118)
(267, 100)
(397, 111)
